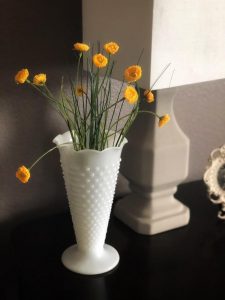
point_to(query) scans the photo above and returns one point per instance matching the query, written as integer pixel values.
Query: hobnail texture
(90, 179)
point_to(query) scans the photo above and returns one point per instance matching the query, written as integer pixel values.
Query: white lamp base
(90, 264)
(152, 216)
(155, 161)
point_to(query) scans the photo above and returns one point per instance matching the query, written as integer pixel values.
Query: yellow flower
(111, 47)
(133, 73)
(79, 91)
(99, 60)
(81, 47)
(39, 79)
(149, 96)
(21, 76)
(131, 95)
(23, 174)
(164, 120)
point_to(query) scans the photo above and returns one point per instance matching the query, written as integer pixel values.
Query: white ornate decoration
(214, 177)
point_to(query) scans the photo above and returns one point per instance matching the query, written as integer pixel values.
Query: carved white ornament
(214, 177)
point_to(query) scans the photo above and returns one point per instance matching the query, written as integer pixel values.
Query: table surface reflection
(181, 263)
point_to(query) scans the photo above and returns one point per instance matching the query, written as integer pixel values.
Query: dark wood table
(184, 263)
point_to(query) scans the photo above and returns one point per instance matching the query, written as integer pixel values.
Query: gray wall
(38, 36)
(200, 112)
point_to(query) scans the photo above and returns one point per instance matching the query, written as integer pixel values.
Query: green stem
(36, 161)
(128, 123)
(47, 152)
(149, 112)
(117, 101)
(106, 72)
(121, 106)
(164, 69)
(111, 127)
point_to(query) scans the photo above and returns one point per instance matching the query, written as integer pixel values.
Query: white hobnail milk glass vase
(90, 178)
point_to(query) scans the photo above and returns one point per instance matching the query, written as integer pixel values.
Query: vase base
(84, 263)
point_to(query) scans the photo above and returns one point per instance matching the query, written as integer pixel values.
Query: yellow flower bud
(131, 95)
(81, 47)
(21, 76)
(111, 48)
(133, 73)
(99, 60)
(39, 79)
(149, 96)
(164, 120)
(79, 91)
(23, 174)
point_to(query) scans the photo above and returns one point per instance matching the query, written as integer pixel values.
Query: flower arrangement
(86, 109)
